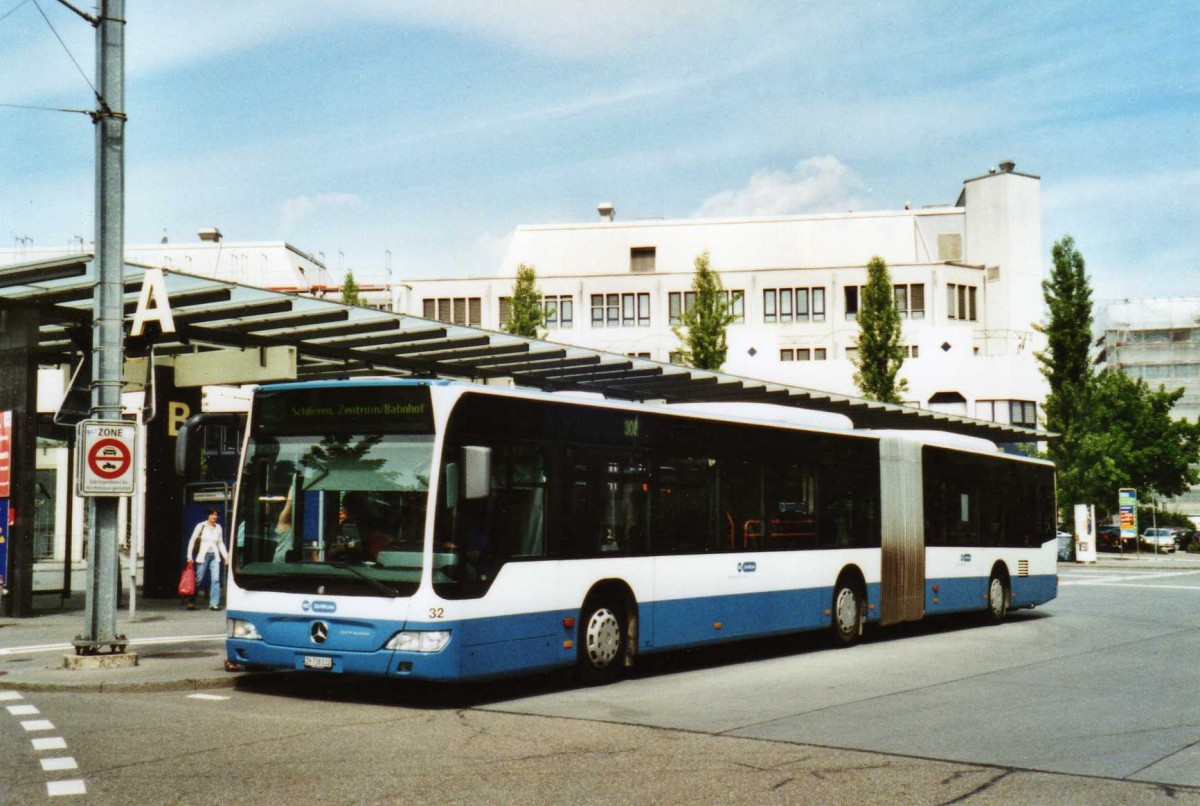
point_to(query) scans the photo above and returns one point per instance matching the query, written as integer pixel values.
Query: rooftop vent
(1007, 166)
(606, 211)
(210, 234)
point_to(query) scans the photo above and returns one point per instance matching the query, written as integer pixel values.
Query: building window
(675, 357)
(560, 311)
(621, 310)
(851, 353)
(1021, 413)
(851, 292)
(787, 354)
(456, 310)
(680, 302)
(819, 354)
(960, 302)
(786, 305)
(642, 259)
(916, 301)
(639, 355)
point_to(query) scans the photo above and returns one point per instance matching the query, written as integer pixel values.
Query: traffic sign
(104, 451)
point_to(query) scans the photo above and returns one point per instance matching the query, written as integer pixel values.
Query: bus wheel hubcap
(603, 637)
(847, 611)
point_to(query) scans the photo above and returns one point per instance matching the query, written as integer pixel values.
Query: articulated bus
(448, 531)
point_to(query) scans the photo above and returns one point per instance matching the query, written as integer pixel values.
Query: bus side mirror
(477, 472)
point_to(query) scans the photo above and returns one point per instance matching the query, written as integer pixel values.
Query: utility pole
(108, 332)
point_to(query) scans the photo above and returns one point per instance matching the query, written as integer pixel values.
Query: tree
(1125, 436)
(350, 295)
(1066, 361)
(702, 327)
(1115, 430)
(526, 314)
(880, 354)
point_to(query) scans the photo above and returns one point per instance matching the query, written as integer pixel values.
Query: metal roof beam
(239, 310)
(33, 274)
(389, 337)
(289, 321)
(351, 328)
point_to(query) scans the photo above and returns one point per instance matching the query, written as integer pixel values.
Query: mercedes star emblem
(319, 632)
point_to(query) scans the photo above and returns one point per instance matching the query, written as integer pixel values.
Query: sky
(420, 134)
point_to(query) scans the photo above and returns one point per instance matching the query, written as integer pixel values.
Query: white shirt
(209, 538)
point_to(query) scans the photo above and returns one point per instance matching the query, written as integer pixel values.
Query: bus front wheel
(601, 642)
(847, 613)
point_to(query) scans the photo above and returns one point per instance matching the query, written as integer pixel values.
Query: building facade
(1158, 341)
(967, 282)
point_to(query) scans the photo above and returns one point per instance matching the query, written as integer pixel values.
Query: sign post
(1127, 507)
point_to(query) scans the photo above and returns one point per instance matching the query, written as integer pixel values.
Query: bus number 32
(437, 612)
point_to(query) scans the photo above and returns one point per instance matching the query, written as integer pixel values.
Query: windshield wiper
(375, 583)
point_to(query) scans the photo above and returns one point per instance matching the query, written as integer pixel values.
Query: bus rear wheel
(847, 613)
(601, 642)
(997, 607)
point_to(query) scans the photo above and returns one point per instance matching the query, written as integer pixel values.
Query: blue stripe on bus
(502, 645)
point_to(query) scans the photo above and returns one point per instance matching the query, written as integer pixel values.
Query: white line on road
(59, 764)
(23, 710)
(1098, 579)
(72, 787)
(50, 743)
(11, 695)
(31, 725)
(206, 697)
(181, 639)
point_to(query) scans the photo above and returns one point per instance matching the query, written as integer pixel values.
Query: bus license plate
(317, 662)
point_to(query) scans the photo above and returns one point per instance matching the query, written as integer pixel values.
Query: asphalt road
(1094, 699)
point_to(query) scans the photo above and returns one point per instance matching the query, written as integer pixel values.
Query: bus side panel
(1039, 582)
(956, 579)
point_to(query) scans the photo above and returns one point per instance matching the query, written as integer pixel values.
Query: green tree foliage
(1115, 430)
(702, 327)
(526, 313)
(350, 295)
(1066, 361)
(880, 354)
(1125, 437)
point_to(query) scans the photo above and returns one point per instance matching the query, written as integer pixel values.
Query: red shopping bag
(187, 582)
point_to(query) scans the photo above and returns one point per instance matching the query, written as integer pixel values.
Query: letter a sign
(153, 288)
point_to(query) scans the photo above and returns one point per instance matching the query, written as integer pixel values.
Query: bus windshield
(341, 512)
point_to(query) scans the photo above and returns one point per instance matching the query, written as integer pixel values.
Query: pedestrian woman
(211, 546)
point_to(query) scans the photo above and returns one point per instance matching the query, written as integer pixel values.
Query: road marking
(206, 697)
(72, 787)
(34, 648)
(31, 725)
(11, 695)
(23, 710)
(59, 764)
(1116, 581)
(52, 743)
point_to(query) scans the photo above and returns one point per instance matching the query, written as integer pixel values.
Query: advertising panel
(1127, 507)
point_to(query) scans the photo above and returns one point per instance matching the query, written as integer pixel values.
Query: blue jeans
(210, 567)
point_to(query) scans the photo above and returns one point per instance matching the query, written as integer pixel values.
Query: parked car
(1158, 540)
(1184, 538)
(1066, 546)
(1108, 538)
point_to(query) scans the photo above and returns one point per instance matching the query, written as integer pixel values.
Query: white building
(1157, 340)
(967, 277)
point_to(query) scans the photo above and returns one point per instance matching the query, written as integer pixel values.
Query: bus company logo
(318, 607)
(747, 568)
(964, 558)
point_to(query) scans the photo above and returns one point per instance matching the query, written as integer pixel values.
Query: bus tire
(602, 628)
(849, 610)
(997, 599)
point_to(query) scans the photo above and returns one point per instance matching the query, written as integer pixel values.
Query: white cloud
(815, 185)
(298, 210)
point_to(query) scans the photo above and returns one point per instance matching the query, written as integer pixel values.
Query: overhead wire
(6, 14)
(92, 113)
(65, 48)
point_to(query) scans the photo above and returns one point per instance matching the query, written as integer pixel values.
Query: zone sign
(104, 457)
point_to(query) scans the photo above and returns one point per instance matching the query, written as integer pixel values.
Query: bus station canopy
(333, 340)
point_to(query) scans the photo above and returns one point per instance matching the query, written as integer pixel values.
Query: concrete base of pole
(119, 660)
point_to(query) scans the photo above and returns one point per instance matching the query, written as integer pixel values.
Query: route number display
(104, 457)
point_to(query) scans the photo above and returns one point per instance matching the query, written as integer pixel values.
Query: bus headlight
(419, 641)
(240, 628)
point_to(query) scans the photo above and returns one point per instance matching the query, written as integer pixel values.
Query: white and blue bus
(448, 531)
